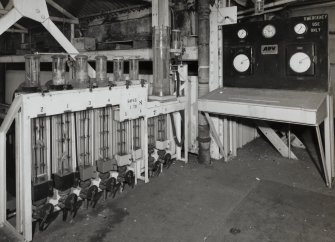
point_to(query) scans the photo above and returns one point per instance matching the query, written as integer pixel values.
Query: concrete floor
(195, 202)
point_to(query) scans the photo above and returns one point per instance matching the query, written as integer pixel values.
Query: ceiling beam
(22, 31)
(57, 19)
(61, 9)
(64, 20)
(19, 26)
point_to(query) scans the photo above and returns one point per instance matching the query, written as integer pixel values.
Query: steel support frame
(326, 145)
(28, 106)
(133, 104)
(15, 113)
(156, 108)
(37, 10)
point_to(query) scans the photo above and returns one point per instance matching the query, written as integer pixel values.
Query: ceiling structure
(71, 11)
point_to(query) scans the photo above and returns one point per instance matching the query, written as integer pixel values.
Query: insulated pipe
(203, 78)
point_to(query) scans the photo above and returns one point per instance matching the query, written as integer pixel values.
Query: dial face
(242, 33)
(269, 31)
(300, 62)
(300, 28)
(241, 63)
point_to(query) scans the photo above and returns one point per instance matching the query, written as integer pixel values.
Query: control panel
(277, 54)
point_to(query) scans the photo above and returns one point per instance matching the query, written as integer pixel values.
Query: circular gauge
(241, 63)
(300, 28)
(300, 62)
(269, 31)
(242, 33)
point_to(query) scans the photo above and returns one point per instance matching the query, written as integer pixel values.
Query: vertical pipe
(203, 78)
(3, 196)
(22, 38)
(2, 83)
(72, 33)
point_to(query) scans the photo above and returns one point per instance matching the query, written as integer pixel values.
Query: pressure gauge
(300, 62)
(242, 33)
(269, 31)
(241, 63)
(300, 28)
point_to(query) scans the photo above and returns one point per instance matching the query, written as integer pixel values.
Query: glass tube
(82, 77)
(58, 69)
(101, 70)
(32, 71)
(259, 6)
(118, 68)
(176, 39)
(161, 61)
(133, 68)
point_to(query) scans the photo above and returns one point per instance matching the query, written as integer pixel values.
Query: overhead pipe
(203, 78)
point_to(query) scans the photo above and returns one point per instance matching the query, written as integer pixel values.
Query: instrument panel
(280, 54)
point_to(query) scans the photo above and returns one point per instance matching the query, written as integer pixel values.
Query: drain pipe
(203, 79)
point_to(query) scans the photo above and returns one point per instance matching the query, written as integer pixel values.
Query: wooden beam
(215, 135)
(65, 20)
(57, 19)
(19, 26)
(61, 9)
(9, 19)
(275, 140)
(17, 31)
(16, 25)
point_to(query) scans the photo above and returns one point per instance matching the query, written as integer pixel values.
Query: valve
(126, 176)
(105, 177)
(89, 192)
(156, 168)
(130, 178)
(91, 195)
(110, 183)
(167, 161)
(42, 214)
(112, 186)
(69, 204)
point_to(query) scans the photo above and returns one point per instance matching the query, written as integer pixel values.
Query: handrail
(11, 114)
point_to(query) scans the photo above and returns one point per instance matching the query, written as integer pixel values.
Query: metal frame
(132, 102)
(231, 134)
(28, 106)
(304, 108)
(37, 10)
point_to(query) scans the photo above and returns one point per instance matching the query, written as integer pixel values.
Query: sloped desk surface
(300, 107)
